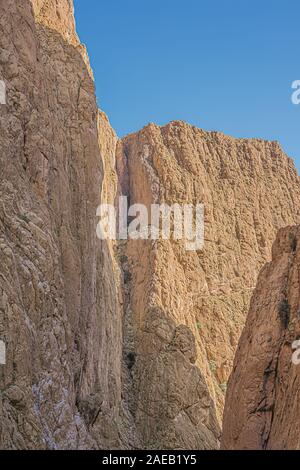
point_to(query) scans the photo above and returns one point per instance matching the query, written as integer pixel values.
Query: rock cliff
(117, 344)
(249, 189)
(59, 286)
(262, 405)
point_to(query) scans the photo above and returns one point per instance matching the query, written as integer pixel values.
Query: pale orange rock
(249, 189)
(130, 344)
(60, 299)
(262, 405)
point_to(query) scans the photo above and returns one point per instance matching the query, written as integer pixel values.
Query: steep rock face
(249, 189)
(262, 405)
(57, 16)
(59, 286)
(128, 344)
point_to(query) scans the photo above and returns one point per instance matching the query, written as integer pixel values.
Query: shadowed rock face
(117, 345)
(262, 405)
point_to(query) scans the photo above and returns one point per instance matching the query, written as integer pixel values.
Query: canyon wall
(124, 344)
(262, 405)
(60, 297)
(249, 189)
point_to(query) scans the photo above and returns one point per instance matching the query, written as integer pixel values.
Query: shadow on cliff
(173, 407)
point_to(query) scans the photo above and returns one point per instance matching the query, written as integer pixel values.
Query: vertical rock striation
(59, 285)
(124, 344)
(249, 189)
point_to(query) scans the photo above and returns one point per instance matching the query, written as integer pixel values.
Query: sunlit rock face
(262, 406)
(249, 189)
(117, 344)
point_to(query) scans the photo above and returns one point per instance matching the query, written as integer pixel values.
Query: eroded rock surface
(249, 189)
(59, 286)
(130, 344)
(262, 405)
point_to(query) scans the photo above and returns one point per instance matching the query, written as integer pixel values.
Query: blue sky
(219, 65)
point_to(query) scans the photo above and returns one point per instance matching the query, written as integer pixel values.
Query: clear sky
(223, 65)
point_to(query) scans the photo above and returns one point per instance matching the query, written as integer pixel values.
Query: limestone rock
(117, 344)
(262, 405)
(249, 189)
(60, 299)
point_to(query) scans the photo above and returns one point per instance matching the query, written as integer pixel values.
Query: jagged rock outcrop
(249, 189)
(262, 405)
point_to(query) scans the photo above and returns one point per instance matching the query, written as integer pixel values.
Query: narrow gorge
(130, 344)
